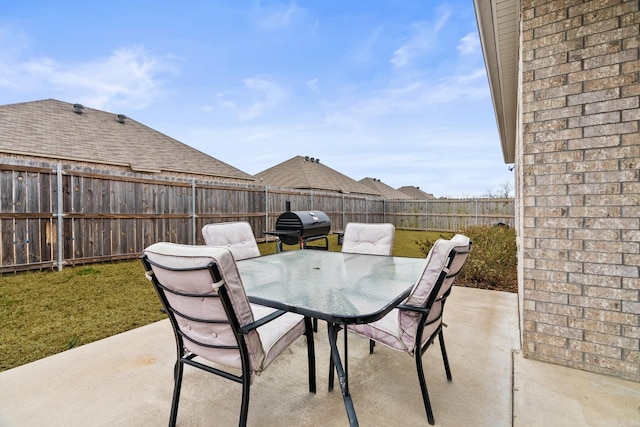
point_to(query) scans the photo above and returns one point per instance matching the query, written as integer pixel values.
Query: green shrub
(425, 244)
(493, 259)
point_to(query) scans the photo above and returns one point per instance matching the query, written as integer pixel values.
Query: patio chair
(202, 292)
(235, 236)
(375, 239)
(413, 326)
(372, 239)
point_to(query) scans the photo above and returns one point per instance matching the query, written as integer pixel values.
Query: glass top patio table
(338, 287)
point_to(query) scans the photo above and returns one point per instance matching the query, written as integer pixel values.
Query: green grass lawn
(44, 313)
(47, 312)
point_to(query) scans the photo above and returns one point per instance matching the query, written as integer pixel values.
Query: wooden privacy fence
(50, 217)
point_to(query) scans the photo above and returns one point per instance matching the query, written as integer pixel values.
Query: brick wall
(580, 178)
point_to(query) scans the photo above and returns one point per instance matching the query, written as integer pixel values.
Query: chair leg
(311, 354)
(445, 359)
(177, 377)
(244, 407)
(423, 387)
(372, 344)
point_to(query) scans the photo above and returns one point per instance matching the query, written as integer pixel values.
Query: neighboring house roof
(415, 193)
(385, 190)
(60, 130)
(498, 25)
(307, 173)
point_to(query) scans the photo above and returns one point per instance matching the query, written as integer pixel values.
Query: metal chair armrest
(263, 321)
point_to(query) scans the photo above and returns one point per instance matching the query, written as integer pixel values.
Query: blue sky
(394, 90)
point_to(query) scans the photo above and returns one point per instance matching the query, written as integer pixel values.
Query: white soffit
(499, 27)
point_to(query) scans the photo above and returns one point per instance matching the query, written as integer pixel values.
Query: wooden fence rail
(50, 217)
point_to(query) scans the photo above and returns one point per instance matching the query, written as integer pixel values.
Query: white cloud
(312, 85)
(407, 97)
(423, 37)
(419, 42)
(13, 42)
(269, 95)
(469, 44)
(365, 51)
(278, 17)
(459, 87)
(128, 78)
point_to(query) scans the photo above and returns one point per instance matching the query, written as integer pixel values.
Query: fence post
(426, 214)
(384, 210)
(343, 212)
(60, 257)
(193, 211)
(476, 211)
(266, 210)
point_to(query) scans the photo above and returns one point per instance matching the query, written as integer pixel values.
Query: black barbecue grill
(301, 227)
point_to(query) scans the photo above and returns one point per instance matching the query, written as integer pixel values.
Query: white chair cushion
(278, 334)
(386, 331)
(375, 239)
(389, 332)
(235, 236)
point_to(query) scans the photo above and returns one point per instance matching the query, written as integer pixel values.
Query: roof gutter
(499, 30)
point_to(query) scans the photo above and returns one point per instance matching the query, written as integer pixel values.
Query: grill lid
(306, 223)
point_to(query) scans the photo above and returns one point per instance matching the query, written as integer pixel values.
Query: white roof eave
(499, 28)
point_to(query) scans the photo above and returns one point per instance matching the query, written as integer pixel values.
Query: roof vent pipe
(121, 118)
(77, 108)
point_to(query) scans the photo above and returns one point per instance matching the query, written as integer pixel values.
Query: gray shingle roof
(385, 190)
(306, 173)
(415, 193)
(51, 128)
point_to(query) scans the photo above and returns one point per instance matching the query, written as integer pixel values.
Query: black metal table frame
(336, 322)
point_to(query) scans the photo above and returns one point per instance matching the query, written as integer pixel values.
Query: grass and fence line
(47, 312)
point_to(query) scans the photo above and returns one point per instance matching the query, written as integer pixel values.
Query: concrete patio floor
(126, 380)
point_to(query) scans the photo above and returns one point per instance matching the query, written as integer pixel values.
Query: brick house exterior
(568, 112)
